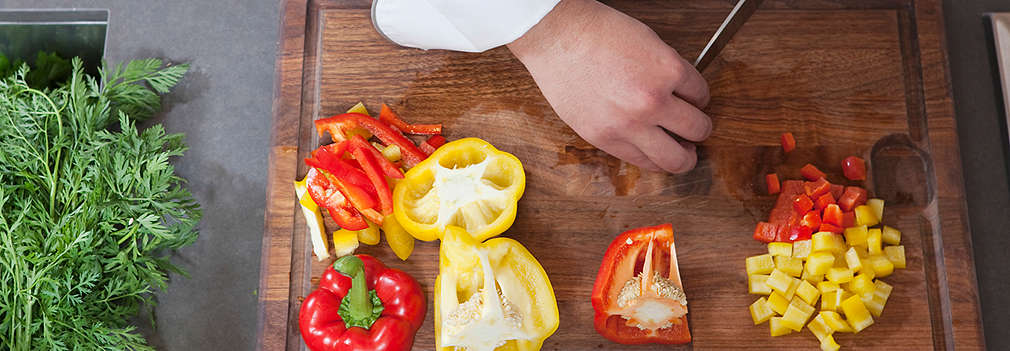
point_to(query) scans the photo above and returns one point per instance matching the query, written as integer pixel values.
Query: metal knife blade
(737, 17)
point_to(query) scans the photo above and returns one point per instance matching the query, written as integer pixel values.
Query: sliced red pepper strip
(432, 144)
(802, 204)
(811, 173)
(832, 215)
(410, 153)
(387, 115)
(853, 196)
(360, 150)
(817, 188)
(788, 142)
(823, 201)
(854, 168)
(772, 180)
(351, 182)
(329, 197)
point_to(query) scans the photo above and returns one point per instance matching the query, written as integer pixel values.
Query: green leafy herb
(48, 70)
(88, 207)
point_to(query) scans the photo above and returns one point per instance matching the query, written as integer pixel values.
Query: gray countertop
(224, 106)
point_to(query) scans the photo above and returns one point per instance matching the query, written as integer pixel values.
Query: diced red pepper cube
(848, 219)
(802, 204)
(837, 190)
(788, 142)
(823, 201)
(765, 232)
(783, 205)
(817, 188)
(854, 168)
(853, 196)
(811, 220)
(772, 180)
(811, 173)
(832, 215)
(799, 232)
(827, 227)
(783, 233)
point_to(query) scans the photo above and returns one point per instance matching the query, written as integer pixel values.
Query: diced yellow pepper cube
(344, 242)
(780, 249)
(826, 286)
(861, 251)
(807, 292)
(866, 216)
(758, 284)
(852, 259)
(896, 254)
(827, 242)
(840, 261)
(855, 236)
(839, 275)
(760, 264)
(881, 265)
(874, 305)
(778, 303)
(777, 328)
(819, 328)
(861, 284)
(829, 344)
(882, 290)
(811, 277)
(780, 281)
(797, 314)
(835, 321)
(801, 249)
(760, 312)
(867, 268)
(820, 262)
(790, 265)
(856, 313)
(873, 242)
(891, 236)
(795, 284)
(878, 207)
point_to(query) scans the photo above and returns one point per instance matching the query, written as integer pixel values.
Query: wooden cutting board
(864, 78)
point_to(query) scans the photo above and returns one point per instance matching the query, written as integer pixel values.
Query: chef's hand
(617, 84)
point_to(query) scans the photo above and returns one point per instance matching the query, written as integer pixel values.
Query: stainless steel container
(68, 33)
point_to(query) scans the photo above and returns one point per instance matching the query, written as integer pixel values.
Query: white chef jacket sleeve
(459, 25)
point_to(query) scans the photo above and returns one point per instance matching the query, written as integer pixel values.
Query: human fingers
(690, 85)
(683, 119)
(629, 153)
(666, 152)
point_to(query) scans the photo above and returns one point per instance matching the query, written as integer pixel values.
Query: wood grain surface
(846, 78)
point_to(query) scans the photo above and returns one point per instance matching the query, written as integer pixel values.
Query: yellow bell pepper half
(466, 183)
(491, 296)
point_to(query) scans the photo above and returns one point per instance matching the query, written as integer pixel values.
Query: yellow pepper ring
(466, 183)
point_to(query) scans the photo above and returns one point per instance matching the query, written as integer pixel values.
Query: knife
(737, 17)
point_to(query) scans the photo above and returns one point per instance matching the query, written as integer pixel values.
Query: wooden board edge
(275, 265)
(960, 303)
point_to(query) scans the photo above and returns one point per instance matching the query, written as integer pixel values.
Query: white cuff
(460, 25)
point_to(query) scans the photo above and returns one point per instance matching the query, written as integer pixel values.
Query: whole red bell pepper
(362, 305)
(638, 297)
(338, 124)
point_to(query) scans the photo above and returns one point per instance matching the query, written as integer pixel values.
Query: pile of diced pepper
(841, 271)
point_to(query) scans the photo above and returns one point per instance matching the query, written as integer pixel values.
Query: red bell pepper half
(811, 173)
(362, 151)
(362, 305)
(854, 168)
(788, 142)
(341, 123)
(772, 180)
(641, 314)
(387, 115)
(324, 194)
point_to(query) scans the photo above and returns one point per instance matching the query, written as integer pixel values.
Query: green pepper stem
(360, 305)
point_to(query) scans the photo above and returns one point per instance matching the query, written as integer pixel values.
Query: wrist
(569, 16)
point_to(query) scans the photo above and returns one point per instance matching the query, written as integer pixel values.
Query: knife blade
(737, 17)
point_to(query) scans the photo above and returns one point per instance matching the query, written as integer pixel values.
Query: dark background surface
(224, 107)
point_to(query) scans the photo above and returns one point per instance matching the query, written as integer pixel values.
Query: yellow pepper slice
(399, 240)
(466, 183)
(314, 219)
(491, 296)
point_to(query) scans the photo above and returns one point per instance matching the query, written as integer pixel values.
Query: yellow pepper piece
(895, 254)
(778, 303)
(852, 260)
(314, 219)
(370, 235)
(857, 314)
(874, 244)
(820, 328)
(757, 284)
(760, 312)
(835, 321)
(866, 216)
(807, 292)
(877, 205)
(856, 236)
(839, 275)
(760, 264)
(881, 265)
(398, 239)
(790, 265)
(780, 249)
(466, 183)
(777, 328)
(797, 314)
(505, 274)
(891, 236)
(829, 344)
(820, 262)
(344, 242)
(781, 282)
(801, 249)
(862, 284)
(829, 242)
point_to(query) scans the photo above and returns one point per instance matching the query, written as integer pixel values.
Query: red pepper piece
(832, 215)
(837, 190)
(432, 144)
(772, 180)
(625, 253)
(811, 220)
(766, 232)
(811, 173)
(783, 205)
(854, 168)
(827, 227)
(853, 196)
(784, 230)
(328, 322)
(848, 219)
(329, 197)
(340, 123)
(823, 201)
(788, 142)
(360, 149)
(817, 188)
(802, 204)
(352, 182)
(387, 115)
(799, 232)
